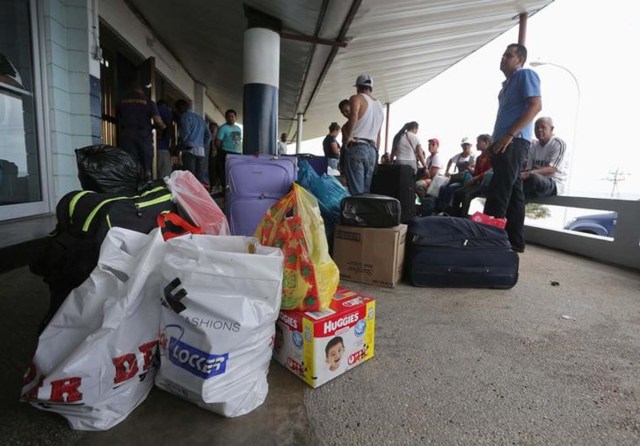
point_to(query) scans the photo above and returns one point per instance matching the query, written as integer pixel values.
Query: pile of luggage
(149, 288)
(152, 283)
(373, 244)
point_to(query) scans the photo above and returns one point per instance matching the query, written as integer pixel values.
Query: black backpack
(84, 218)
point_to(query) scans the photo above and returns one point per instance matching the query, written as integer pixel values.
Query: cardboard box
(320, 345)
(370, 255)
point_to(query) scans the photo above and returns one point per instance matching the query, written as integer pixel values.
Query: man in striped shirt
(546, 168)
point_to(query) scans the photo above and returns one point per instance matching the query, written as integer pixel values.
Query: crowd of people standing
(508, 168)
(185, 140)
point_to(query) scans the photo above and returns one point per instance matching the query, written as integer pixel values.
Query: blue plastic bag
(329, 193)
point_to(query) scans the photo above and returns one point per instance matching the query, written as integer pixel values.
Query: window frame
(39, 61)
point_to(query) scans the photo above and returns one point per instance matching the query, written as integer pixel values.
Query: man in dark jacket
(136, 117)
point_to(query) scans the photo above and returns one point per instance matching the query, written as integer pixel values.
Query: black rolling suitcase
(397, 181)
(459, 253)
(370, 211)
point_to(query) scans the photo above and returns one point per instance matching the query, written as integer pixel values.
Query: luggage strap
(74, 201)
(87, 223)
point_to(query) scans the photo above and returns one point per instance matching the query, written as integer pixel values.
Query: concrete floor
(538, 364)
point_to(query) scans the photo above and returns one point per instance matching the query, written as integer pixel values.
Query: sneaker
(517, 248)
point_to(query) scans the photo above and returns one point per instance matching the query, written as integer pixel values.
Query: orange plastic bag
(294, 225)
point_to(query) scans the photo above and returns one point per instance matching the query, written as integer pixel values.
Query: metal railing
(623, 250)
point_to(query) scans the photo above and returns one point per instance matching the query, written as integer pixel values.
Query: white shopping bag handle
(120, 247)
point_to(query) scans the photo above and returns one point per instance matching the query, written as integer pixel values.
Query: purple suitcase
(319, 163)
(254, 184)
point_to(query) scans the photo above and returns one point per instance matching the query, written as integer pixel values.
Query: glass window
(20, 179)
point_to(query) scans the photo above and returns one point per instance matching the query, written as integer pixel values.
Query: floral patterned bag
(295, 226)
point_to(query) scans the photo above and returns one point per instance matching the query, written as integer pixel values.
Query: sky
(596, 114)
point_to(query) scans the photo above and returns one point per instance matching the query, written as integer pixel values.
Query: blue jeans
(194, 164)
(360, 160)
(538, 186)
(205, 165)
(463, 197)
(447, 194)
(505, 197)
(164, 163)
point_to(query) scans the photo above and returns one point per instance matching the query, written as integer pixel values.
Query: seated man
(434, 165)
(463, 161)
(464, 164)
(546, 169)
(477, 185)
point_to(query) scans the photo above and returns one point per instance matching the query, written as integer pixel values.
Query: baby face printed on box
(334, 351)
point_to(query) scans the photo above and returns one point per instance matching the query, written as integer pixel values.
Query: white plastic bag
(220, 305)
(95, 360)
(193, 199)
(436, 184)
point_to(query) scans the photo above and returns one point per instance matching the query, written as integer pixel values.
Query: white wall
(67, 67)
(93, 22)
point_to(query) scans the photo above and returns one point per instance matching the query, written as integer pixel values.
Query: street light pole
(537, 63)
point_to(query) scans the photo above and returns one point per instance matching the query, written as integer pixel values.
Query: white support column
(261, 83)
(299, 133)
(199, 91)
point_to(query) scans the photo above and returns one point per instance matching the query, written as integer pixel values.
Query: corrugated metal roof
(402, 44)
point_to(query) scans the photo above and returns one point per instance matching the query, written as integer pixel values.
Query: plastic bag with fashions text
(221, 299)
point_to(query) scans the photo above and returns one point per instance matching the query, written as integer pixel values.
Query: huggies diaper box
(320, 345)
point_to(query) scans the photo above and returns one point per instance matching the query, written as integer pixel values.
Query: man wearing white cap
(362, 136)
(462, 161)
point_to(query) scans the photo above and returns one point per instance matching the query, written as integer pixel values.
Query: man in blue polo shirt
(519, 102)
(193, 137)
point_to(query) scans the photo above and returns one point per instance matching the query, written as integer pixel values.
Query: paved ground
(539, 364)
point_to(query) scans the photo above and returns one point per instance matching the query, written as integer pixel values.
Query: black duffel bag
(84, 218)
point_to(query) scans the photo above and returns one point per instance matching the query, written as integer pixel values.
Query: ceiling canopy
(402, 44)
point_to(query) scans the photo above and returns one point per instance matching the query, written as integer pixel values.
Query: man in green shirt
(228, 140)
